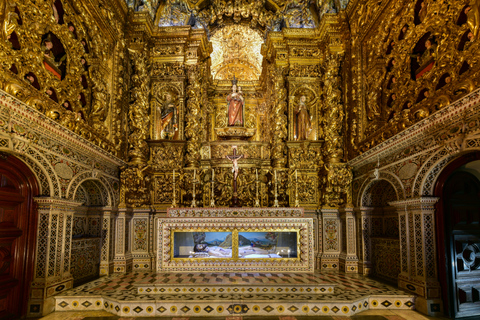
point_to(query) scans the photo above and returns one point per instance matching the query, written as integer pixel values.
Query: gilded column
(193, 117)
(339, 175)
(279, 148)
(138, 112)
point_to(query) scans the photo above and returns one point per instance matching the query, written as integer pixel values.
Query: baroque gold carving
(193, 116)
(138, 116)
(57, 61)
(410, 61)
(338, 184)
(334, 114)
(236, 52)
(279, 118)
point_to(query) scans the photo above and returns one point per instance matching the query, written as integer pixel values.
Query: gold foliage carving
(135, 186)
(138, 116)
(338, 184)
(236, 52)
(58, 63)
(415, 63)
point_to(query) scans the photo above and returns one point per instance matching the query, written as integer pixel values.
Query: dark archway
(18, 230)
(458, 235)
(86, 233)
(381, 235)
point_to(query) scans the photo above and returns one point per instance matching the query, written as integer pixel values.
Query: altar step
(241, 283)
(119, 294)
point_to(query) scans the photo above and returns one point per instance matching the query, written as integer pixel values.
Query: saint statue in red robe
(235, 107)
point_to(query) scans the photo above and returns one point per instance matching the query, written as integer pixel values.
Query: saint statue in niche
(236, 103)
(168, 122)
(421, 8)
(473, 17)
(426, 59)
(54, 58)
(303, 125)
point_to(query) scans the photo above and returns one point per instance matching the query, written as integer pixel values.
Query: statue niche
(423, 56)
(235, 124)
(166, 116)
(421, 8)
(303, 124)
(54, 55)
(236, 104)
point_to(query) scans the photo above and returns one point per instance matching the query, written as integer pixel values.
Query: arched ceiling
(236, 52)
(262, 15)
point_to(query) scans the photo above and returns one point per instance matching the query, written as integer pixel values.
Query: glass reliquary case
(235, 244)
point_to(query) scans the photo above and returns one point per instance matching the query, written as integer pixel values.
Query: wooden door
(17, 236)
(462, 236)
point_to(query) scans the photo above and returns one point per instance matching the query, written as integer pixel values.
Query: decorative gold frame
(304, 262)
(234, 232)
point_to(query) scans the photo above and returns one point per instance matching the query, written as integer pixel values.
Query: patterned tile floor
(233, 278)
(123, 286)
(366, 315)
(118, 294)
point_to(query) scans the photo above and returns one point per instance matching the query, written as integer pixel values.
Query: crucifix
(234, 158)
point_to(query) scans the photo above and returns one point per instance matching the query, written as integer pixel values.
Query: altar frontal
(228, 244)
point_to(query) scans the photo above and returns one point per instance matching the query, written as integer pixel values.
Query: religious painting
(261, 245)
(203, 245)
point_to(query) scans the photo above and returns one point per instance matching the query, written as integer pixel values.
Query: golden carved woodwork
(138, 111)
(59, 58)
(236, 52)
(167, 155)
(193, 116)
(338, 180)
(334, 114)
(416, 63)
(135, 186)
(367, 73)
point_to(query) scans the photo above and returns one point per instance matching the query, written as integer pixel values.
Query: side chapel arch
(369, 182)
(378, 230)
(48, 183)
(76, 182)
(428, 174)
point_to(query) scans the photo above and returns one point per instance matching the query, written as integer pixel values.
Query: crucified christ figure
(234, 158)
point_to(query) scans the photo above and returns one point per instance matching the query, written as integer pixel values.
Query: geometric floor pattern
(194, 283)
(366, 315)
(119, 294)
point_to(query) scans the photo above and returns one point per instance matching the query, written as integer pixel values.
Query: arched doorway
(87, 231)
(18, 229)
(458, 230)
(379, 231)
